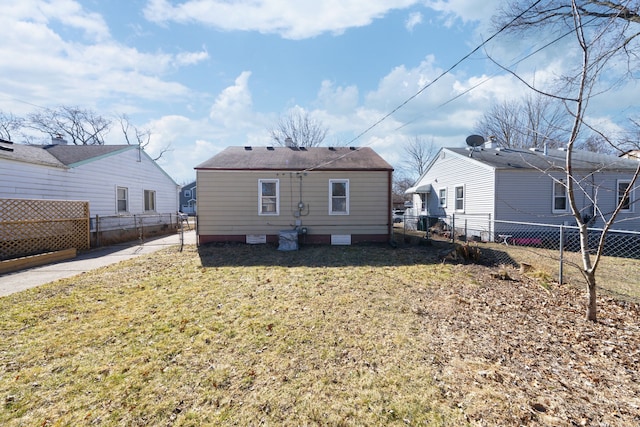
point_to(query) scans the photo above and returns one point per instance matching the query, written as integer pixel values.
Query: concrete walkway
(86, 261)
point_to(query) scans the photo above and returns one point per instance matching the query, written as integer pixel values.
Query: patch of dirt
(509, 350)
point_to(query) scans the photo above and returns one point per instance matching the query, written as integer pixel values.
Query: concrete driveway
(86, 261)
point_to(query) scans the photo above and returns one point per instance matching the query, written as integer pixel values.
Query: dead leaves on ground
(506, 352)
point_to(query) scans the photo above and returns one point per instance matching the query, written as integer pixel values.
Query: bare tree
(399, 186)
(604, 32)
(298, 129)
(418, 153)
(136, 136)
(9, 124)
(531, 122)
(80, 126)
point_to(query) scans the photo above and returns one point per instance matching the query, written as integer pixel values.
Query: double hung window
(442, 197)
(268, 197)
(623, 200)
(338, 197)
(122, 199)
(149, 201)
(459, 193)
(559, 196)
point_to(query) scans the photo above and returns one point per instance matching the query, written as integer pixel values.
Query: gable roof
(66, 156)
(75, 155)
(298, 159)
(28, 154)
(519, 158)
(58, 155)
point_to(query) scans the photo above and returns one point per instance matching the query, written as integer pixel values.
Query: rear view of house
(324, 194)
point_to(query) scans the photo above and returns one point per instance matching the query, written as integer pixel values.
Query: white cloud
(48, 69)
(68, 12)
(465, 10)
(233, 105)
(293, 20)
(191, 58)
(414, 19)
(338, 99)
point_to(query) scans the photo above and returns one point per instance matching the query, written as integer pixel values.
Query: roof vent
(303, 148)
(270, 148)
(352, 148)
(248, 148)
(4, 141)
(332, 148)
(58, 140)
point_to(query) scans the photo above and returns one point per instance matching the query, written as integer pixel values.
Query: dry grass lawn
(337, 336)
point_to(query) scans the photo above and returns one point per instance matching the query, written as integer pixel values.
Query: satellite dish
(475, 140)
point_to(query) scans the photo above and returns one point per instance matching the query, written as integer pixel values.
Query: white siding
(450, 170)
(523, 195)
(527, 196)
(94, 181)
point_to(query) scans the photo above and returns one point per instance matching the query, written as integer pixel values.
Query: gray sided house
(326, 194)
(188, 198)
(481, 184)
(114, 179)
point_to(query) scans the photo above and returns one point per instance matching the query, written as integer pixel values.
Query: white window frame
(261, 197)
(187, 194)
(150, 207)
(442, 198)
(556, 183)
(332, 197)
(125, 200)
(620, 193)
(456, 199)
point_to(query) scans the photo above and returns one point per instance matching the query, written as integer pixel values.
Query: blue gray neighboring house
(478, 185)
(188, 199)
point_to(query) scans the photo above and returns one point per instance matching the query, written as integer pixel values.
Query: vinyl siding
(527, 196)
(94, 182)
(517, 194)
(449, 171)
(228, 203)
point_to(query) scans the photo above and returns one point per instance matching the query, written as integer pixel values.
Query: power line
(444, 73)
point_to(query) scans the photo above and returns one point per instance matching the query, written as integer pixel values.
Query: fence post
(453, 228)
(561, 254)
(466, 230)
(98, 240)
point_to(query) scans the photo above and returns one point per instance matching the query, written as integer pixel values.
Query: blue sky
(207, 74)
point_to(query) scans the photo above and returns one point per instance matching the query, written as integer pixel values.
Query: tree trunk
(591, 303)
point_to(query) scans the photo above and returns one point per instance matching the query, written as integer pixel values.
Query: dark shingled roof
(58, 155)
(288, 158)
(28, 154)
(72, 154)
(520, 158)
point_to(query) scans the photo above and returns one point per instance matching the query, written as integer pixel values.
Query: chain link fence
(108, 230)
(552, 251)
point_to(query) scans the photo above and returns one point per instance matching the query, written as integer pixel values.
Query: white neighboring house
(116, 180)
(478, 185)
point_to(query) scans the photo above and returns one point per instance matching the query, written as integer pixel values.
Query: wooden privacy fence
(29, 227)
